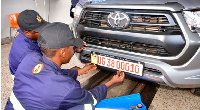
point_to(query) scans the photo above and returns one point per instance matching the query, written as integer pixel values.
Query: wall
(59, 11)
(16, 6)
(50, 10)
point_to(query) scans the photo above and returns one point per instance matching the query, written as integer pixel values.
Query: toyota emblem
(118, 20)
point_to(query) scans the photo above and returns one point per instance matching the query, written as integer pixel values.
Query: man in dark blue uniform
(25, 41)
(73, 4)
(40, 83)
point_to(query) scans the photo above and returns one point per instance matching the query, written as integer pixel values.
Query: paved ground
(166, 98)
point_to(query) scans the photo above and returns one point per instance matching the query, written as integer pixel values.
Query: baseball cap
(58, 35)
(30, 20)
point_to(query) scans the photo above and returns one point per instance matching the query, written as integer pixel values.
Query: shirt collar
(24, 36)
(52, 64)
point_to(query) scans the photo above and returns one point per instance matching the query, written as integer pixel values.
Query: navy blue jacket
(20, 47)
(74, 2)
(40, 84)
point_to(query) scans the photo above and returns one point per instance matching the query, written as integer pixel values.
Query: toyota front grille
(123, 23)
(142, 22)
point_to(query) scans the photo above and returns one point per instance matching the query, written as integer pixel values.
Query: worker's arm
(88, 67)
(76, 71)
(75, 68)
(80, 96)
(119, 77)
(71, 73)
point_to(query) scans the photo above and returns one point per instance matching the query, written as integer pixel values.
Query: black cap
(58, 35)
(30, 20)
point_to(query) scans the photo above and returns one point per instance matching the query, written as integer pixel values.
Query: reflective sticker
(38, 18)
(37, 68)
(95, 101)
(87, 107)
(16, 104)
(16, 34)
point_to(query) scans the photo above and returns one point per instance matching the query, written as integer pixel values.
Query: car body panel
(178, 68)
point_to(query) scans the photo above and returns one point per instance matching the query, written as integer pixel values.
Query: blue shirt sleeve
(70, 73)
(99, 92)
(80, 96)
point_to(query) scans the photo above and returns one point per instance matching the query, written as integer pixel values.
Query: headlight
(77, 10)
(193, 20)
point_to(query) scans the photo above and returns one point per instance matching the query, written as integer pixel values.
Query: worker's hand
(80, 49)
(88, 67)
(119, 77)
(84, 44)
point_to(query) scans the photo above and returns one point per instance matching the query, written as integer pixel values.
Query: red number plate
(134, 68)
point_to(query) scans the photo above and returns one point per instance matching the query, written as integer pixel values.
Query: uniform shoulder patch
(38, 18)
(37, 68)
(16, 34)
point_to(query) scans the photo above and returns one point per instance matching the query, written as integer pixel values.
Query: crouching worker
(40, 83)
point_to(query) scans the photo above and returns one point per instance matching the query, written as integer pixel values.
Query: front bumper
(155, 70)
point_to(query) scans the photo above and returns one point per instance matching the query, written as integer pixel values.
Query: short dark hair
(48, 52)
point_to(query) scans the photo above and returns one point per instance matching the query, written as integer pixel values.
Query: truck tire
(195, 91)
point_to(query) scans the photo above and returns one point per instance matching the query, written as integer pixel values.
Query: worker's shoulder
(31, 59)
(37, 67)
(32, 55)
(19, 47)
(19, 35)
(20, 43)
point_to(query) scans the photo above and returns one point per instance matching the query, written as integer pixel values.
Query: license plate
(130, 67)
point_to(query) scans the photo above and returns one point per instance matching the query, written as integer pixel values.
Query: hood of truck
(185, 3)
